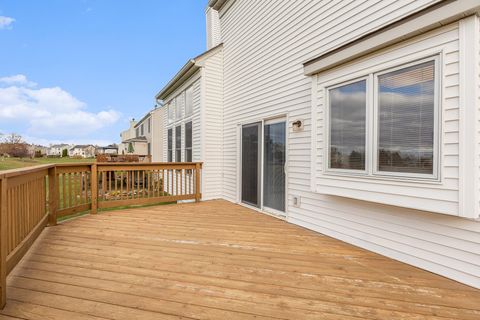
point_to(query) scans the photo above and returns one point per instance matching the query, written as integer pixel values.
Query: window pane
(189, 101)
(178, 144)
(188, 135)
(347, 126)
(170, 145)
(188, 155)
(179, 103)
(170, 110)
(406, 119)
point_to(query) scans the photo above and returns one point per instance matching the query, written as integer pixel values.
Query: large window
(396, 127)
(188, 142)
(179, 102)
(178, 144)
(170, 146)
(189, 101)
(149, 125)
(142, 129)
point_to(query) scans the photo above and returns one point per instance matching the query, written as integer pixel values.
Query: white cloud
(18, 79)
(6, 22)
(50, 112)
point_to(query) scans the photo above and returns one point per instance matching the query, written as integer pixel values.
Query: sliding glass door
(274, 166)
(251, 149)
(263, 165)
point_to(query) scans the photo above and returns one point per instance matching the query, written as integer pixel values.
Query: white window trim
(371, 146)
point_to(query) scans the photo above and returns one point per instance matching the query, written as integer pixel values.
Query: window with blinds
(188, 101)
(170, 109)
(347, 126)
(391, 114)
(406, 117)
(179, 103)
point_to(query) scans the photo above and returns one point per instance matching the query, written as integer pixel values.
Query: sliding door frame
(263, 121)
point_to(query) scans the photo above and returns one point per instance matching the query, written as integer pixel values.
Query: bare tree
(13, 145)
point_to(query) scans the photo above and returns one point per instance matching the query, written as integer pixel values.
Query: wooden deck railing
(34, 197)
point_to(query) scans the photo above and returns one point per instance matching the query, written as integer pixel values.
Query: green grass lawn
(14, 163)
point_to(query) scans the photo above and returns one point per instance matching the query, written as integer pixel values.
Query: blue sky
(77, 70)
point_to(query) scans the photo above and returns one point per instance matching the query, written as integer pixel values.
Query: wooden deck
(217, 260)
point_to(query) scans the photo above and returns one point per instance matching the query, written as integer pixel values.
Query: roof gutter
(216, 4)
(187, 70)
(192, 66)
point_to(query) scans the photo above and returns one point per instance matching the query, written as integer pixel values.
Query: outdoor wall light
(297, 125)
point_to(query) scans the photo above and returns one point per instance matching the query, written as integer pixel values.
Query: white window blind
(189, 101)
(406, 117)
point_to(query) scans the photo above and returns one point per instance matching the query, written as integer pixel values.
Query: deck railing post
(3, 241)
(52, 196)
(94, 188)
(197, 182)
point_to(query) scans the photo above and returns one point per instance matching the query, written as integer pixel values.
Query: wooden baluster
(115, 183)
(94, 188)
(121, 185)
(197, 182)
(52, 196)
(143, 183)
(3, 242)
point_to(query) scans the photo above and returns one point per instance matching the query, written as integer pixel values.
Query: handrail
(34, 197)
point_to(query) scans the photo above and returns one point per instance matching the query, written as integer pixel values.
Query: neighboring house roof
(136, 139)
(216, 4)
(59, 145)
(82, 146)
(145, 117)
(185, 73)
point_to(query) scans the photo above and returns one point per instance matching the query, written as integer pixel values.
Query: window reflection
(347, 126)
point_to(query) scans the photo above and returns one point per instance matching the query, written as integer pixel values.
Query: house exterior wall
(212, 81)
(157, 133)
(146, 133)
(263, 77)
(207, 119)
(125, 135)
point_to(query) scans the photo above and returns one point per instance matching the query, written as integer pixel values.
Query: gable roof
(185, 73)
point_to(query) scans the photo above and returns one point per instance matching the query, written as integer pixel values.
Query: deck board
(217, 260)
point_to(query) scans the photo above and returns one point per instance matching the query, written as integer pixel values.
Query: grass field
(14, 163)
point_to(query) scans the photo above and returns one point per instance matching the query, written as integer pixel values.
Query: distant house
(57, 149)
(144, 134)
(84, 151)
(37, 150)
(110, 149)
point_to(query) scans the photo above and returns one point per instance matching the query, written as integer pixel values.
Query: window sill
(383, 178)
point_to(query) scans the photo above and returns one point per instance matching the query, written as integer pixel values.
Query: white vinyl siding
(265, 46)
(213, 133)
